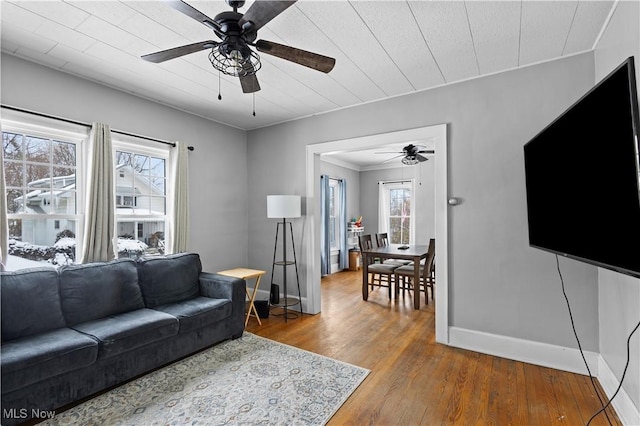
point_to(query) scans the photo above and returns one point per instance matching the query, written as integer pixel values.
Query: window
(397, 211)
(43, 201)
(334, 209)
(399, 215)
(141, 199)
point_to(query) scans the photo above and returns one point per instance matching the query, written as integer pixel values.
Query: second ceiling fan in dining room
(411, 154)
(238, 33)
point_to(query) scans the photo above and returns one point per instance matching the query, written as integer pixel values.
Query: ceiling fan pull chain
(254, 104)
(219, 94)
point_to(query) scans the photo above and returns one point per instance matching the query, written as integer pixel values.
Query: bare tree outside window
(40, 176)
(399, 215)
(140, 204)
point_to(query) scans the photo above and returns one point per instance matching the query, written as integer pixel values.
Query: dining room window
(397, 211)
(334, 209)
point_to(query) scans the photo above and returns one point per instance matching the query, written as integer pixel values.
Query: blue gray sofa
(72, 332)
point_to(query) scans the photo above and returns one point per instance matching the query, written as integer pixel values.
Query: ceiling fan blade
(308, 59)
(421, 159)
(176, 52)
(388, 152)
(426, 151)
(192, 12)
(261, 12)
(249, 83)
(392, 158)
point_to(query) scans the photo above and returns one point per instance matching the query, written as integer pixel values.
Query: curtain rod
(79, 123)
(394, 181)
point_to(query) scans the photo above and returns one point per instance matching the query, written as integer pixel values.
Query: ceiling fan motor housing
(228, 26)
(236, 4)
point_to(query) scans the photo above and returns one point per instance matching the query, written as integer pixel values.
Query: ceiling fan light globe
(235, 62)
(410, 160)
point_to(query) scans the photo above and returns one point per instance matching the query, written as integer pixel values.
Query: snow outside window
(44, 201)
(141, 198)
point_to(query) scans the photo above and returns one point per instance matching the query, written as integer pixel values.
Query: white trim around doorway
(312, 224)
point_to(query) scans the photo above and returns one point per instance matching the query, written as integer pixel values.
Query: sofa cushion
(30, 359)
(30, 302)
(198, 312)
(97, 290)
(129, 330)
(169, 279)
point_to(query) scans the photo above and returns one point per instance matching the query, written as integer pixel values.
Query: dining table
(414, 253)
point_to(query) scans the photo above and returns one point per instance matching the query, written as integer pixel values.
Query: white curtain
(383, 208)
(4, 222)
(99, 229)
(179, 214)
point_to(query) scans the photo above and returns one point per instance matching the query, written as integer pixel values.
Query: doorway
(438, 133)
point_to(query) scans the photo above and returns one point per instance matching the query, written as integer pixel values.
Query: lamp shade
(281, 206)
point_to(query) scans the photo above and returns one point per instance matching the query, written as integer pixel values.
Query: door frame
(438, 133)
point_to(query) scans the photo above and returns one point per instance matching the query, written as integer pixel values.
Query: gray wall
(619, 301)
(497, 283)
(425, 197)
(352, 177)
(217, 167)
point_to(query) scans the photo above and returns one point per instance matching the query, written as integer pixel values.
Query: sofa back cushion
(30, 302)
(97, 290)
(168, 279)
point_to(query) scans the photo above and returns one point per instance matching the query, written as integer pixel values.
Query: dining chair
(404, 274)
(381, 274)
(382, 239)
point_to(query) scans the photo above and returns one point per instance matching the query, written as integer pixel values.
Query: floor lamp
(285, 207)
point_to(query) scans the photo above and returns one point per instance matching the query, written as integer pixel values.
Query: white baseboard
(552, 356)
(543, 354)
(623, 404)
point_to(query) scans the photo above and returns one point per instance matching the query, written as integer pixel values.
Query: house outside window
(42, 194)
(141, 199)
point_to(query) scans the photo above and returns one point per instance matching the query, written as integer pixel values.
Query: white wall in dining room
(424, 187)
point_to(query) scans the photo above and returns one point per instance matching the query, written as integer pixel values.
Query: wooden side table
(246, 274)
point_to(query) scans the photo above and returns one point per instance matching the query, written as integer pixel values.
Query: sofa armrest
(218, 286)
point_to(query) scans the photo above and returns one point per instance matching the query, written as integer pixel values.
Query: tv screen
(582, 178)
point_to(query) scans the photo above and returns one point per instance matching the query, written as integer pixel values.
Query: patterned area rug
(251, 380)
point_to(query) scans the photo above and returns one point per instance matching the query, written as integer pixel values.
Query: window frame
(406, 185)
(334, 214)
(139, 146)
(60, 131)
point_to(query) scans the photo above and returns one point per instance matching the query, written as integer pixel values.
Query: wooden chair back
(366, 243)
(382, 239)
(428, 264)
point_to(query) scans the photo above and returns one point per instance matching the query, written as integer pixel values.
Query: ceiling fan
(232, 55)
(411, 154)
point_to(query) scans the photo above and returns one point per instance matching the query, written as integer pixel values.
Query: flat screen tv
(582, 178)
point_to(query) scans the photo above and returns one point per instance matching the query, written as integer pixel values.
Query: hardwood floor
(415, 381)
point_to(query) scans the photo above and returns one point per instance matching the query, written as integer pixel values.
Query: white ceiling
(383, 157)
(382, 48)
